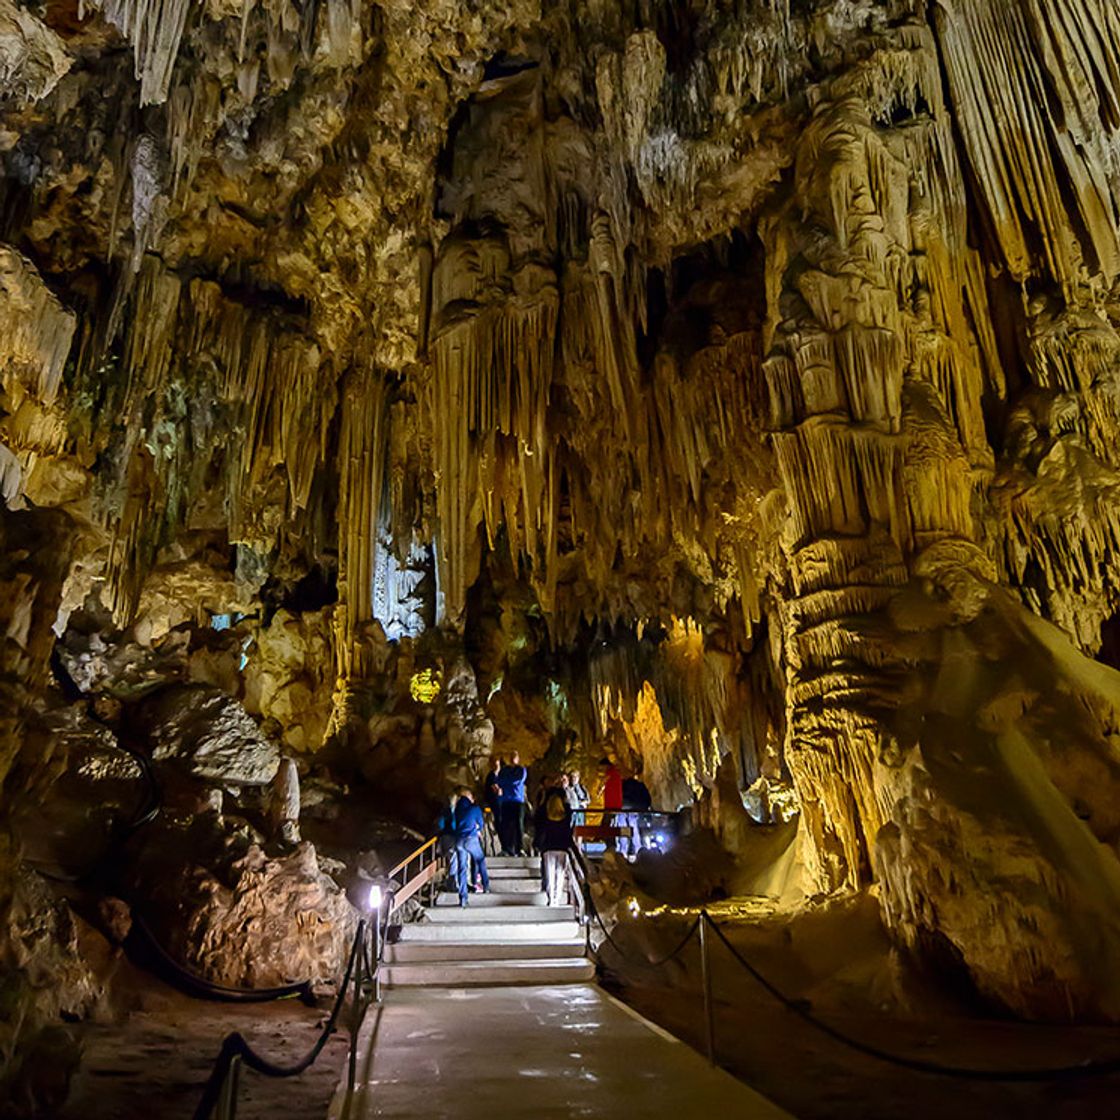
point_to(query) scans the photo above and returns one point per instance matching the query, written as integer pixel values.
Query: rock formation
(679, 381)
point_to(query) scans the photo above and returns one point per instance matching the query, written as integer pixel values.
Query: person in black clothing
(492, 800)
(635, 800)
(553, 838)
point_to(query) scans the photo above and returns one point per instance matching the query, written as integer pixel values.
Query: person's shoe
(464, 902)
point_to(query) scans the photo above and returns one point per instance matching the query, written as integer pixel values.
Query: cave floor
(549, 1051)
(154, 1062)
(817, 1079)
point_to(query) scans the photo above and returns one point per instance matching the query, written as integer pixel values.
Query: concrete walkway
(542, 1052)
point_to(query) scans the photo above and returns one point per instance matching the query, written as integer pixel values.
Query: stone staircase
(508, 936)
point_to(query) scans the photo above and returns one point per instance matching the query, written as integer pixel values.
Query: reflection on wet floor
(494, 1052)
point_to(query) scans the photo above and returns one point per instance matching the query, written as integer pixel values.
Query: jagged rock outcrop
(207, 734)
(289, 677)
(32, 56)
(48, 975)
(223, 908)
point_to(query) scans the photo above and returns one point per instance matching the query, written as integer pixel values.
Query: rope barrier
(199, 985)
(235, 1048)
(580, 863)
(1053, 1073)
(661, 961)
(1088, 1068)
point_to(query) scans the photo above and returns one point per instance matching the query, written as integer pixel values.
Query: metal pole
(377, 933)
(706, 980)
(227, 1101)
(356, 1010)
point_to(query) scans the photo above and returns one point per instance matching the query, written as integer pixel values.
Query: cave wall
(726, 378)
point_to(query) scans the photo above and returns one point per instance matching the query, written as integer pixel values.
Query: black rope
(199, 985)
(643, 960)
(1054, 1073)
(1088, 1068)
(593, 910)
(234, 1045)
(146, 812)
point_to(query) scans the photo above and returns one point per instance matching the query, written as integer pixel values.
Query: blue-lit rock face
(397, 602)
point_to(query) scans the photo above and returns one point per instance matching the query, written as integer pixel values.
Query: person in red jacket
(612, 796)
(612, 785)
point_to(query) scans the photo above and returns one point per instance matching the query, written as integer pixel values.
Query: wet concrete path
(547, 1052)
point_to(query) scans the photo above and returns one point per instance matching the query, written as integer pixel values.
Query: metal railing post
(227, 1101)
(706, 981)
(356, 1011)
(377, 943)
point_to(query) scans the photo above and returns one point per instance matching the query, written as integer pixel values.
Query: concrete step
(460, 974)
(515, 866)
(498, 898)
(496, 915)
(515, 886)
(409, 952)
(490, 931)
(513, 874)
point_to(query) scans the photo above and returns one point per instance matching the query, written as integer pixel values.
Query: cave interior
(727, 390)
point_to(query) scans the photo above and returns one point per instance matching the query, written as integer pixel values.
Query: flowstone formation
(674, 381)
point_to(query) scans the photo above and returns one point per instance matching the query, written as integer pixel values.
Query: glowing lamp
(375, 897)
(425, 685)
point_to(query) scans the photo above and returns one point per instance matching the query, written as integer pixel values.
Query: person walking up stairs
(512, 935)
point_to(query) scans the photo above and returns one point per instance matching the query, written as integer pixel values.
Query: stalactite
(34, 347)
(37, 334)
(267, 380)
(1037, 103)
(155, 28)
(363, 443)
(191, 107)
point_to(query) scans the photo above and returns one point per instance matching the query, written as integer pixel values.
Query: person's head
(495, 763)
(514, 759)
(464, 794)
(573, 777)
(563, 781)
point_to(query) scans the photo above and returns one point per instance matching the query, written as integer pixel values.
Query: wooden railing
(430, 865)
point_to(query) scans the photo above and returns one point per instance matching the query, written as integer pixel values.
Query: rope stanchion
(1054, 1073)
(1077, 1071)
(235, 1048)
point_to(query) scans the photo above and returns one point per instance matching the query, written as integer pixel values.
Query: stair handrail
(431, 865)
(415, 854)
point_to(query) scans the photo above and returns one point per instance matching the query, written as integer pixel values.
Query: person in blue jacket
(445, 831)
(512, 779)
(469, 825)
